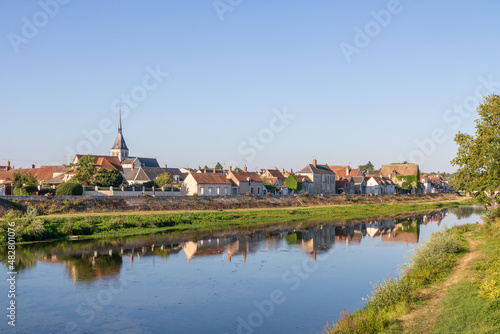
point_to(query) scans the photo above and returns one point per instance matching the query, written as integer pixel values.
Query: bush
(69, 189)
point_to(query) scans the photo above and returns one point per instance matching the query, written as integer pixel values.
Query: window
(225, 191)
(210, 190)
(251, 190)
(258, 190)
(202, 191)
(218, 190)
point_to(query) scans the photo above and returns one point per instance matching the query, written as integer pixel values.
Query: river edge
(116, 224)
(438, 300)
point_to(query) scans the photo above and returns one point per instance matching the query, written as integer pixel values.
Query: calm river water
(285, 278)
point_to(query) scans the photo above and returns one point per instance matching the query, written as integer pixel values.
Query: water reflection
(86, 261)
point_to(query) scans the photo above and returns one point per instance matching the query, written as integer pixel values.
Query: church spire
(120, 122)
(119, 148)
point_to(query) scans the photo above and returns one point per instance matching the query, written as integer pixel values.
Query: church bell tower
(119, 148)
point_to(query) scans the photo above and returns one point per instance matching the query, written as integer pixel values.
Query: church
(139, 170)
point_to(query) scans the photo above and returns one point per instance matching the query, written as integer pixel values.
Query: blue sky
(233, 66)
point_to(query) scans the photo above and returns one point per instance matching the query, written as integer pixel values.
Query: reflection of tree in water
(88, 268)
(26, 258)
(466, 211)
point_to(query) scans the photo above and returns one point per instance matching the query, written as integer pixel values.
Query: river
(283, 278)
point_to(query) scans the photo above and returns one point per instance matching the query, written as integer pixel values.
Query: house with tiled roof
(359, 185)
(248, 182)
(380, 185)
(405, 175)
(143, 175)
(102, 161)
(322, 177)
(206, 184)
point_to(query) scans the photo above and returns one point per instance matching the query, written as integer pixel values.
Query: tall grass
(393, 297)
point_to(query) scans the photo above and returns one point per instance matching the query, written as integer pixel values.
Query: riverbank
(101, 205)
(32, 227)
(452, 285)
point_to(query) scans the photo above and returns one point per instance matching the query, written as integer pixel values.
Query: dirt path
(421, 319)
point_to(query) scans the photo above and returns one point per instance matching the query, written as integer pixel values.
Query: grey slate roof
(146, 174)
(319, 169)
(144, 162)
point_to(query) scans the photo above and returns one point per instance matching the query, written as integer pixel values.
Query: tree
(108, 178)
(86, 169)
(162, 180)
(292, 183)
(478, 157)
(24, 180)
(367, 167)
(70, 188)
(218, 166)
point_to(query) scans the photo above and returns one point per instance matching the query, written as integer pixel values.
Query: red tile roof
(207, 178)
(276, 173)
(243, 176)
(399, 169)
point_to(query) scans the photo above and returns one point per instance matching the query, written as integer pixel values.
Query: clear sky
(263, 83)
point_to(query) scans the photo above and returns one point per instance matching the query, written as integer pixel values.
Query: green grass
(473, 306)
(94, 226)
(393, 298)
(463, 310)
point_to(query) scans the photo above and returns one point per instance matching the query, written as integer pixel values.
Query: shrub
(391, 291)
(69, 189)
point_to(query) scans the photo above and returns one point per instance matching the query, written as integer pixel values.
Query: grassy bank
(32, 227)
(425, 299)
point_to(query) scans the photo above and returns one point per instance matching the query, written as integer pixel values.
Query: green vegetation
(292, 183)
(24, 184)
(88, 173)
(129, 224)
(473, 305)
(478, 157)
(108, 178)
(367, 167)
(162, 180)
(69, 189)
(393, 298)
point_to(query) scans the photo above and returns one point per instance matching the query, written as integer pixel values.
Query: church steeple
(119, 148)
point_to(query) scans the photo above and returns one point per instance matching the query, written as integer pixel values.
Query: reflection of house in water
(312, 240)
(215, 246)
(349, 233)
(434, 217)
(379, 228)
(87, 268)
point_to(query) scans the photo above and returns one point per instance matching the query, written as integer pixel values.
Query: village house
(403, 175)
(322, 177)
(359, 185)
(345, 186)
(380, 185)
(247, 182)
(206, 184)
(276, 179)
(141, 175)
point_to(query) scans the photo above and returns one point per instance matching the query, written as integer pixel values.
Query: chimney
(229, 168)
(291, 170)
(214, 171)
(165, 166)
(315, 162)
(132, 166)
(204, 170)
(245, 168)
(32, 166)
(282, 171)
(8, 164)
(347, 171)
